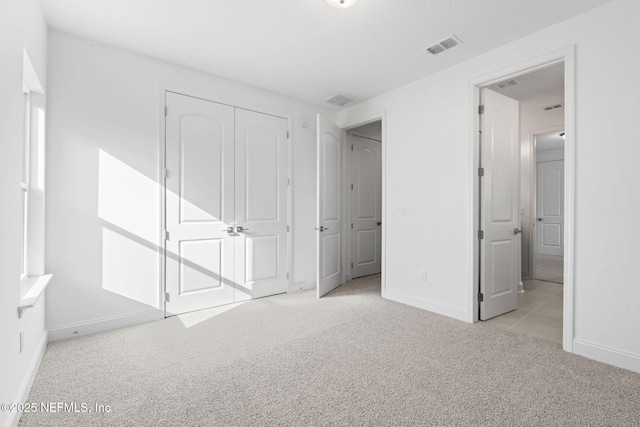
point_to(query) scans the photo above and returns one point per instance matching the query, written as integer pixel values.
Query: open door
(499, 219)
(329, 214)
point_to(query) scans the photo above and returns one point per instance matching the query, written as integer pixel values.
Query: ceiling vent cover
(505, 84)
(339, 100)
(552, 107)
(443, 45)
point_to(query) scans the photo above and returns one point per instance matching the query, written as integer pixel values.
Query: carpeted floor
(549, 268)
(351, 358)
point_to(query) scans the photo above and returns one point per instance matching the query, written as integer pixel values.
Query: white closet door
(261, 180)
(199, 203)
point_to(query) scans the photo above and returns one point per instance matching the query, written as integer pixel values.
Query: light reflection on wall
(128, 203)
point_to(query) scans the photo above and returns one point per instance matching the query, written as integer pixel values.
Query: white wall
(533, 119)
(103, 214)
(429, 172)
(21, 26)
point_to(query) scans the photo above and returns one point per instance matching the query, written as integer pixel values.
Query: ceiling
(307, 49)
(547, 81)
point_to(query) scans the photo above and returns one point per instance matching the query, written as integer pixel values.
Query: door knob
(228, 230)
(540, 219)
(240, 229)
(517, 231)
(322, 228)
(379, 223)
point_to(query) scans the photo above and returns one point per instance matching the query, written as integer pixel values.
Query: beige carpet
(351, 358)
(549, 268)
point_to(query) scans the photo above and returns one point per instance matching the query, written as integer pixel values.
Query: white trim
(290, 205)
(459, 313)
(566, 55)
(104, 324)
(604, 354)
(348, 125)
(27, 382)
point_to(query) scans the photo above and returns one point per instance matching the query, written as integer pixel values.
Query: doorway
(364, 193)
(544, 90)
(350, 196)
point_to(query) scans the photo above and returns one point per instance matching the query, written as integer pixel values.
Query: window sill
(30, 291)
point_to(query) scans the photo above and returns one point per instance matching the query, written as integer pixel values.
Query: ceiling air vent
(443, 45)
(339, 100)
(505, 84)
(552, 107)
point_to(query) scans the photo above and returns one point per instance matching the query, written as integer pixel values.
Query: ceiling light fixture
(341, 3)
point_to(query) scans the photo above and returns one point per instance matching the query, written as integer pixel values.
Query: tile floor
(539, 312)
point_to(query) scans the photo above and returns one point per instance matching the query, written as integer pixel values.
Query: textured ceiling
(306, 48)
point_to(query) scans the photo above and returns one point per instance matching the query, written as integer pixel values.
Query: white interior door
(199, 203)
(499, 219)
(329, 214)
(366, 207)
(550, 207)
(261, 179)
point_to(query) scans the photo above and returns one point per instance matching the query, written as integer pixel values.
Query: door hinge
(480, 234)
(480, 109)
(351, 147)
(288, 181)
(351, 186)
(165, 173)
(480, 297)
(287, 276)
(166, 111)
(288, 229)
(167, 297)
(480, 171)
(287, 134)
(166, 235)
(352, 226)
(351, 265)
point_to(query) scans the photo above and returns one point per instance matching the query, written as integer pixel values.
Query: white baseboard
(607, 355)
(105, 324)
(27, 381)
(429, 305)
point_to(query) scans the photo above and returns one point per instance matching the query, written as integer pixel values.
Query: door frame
(348, 160)
(161, 162)
(346, 127)
(567, 56)
(533, 199)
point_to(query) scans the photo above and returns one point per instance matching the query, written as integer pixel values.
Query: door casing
(566, 55)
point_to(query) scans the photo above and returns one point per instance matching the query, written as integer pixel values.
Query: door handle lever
(228, 230)
(517, 231)
(240, 229)
(379, 223)
(322, 228)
